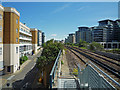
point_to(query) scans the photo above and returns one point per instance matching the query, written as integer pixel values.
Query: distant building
(83, 33)
(71, 38)
(62, 41)
(39, 41)
(34, 40)
(43, 37)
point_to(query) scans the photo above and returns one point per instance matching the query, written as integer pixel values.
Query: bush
(49, 54)
(62, 62)
(23, 59)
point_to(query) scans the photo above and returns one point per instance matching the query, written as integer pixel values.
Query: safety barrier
(90, 78)
(53, 72)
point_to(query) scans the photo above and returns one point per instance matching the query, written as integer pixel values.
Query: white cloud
(53, 35)
(61, 8)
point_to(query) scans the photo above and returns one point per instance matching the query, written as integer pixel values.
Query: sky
(58, 19)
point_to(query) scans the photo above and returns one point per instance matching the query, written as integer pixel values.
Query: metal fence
(53, 72)
(90, 78)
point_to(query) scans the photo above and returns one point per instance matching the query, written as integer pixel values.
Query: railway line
(85, 58)
(114, 69)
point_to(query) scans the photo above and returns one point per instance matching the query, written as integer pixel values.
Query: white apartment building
(25, 39)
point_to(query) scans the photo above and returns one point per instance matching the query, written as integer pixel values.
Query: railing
(53, 72)
(89, 77)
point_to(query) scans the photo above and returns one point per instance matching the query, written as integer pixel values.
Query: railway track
(104, 65)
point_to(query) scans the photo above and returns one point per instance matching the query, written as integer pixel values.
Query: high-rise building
(1, 39)
(39, 41)
(11, 40)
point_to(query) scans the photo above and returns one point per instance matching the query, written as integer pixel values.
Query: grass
(83, 47)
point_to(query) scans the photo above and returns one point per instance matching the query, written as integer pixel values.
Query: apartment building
(43, 37)
(1, 39)
(34, 40)
(71, 38)
(39, 41)
(16, 40)
(107, 33)
(11, 40)
(25, 39)
(83, 33)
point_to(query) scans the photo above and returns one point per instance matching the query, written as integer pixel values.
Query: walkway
(65, 80)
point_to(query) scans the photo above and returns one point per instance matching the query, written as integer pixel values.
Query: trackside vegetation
(93, 46)
(50, 51)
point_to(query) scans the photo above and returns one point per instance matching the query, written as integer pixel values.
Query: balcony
(24, 38)
(23, 32)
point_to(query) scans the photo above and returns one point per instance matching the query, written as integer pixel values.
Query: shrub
(23, 59)
(75, 71)
(62, 62)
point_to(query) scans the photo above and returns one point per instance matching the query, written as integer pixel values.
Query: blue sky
(58, 19)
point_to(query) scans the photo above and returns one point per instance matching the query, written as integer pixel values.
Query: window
(0, 17)
(8, 69)
(16, 49)
(0, 28)
(0, 50)
(16, 39)
(16, 21)
(0, 39)
(16, 30)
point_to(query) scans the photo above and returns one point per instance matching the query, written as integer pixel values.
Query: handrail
(105, 74)
(53, 71)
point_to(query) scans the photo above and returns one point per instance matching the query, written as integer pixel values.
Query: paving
(65, 80)
(24, 75)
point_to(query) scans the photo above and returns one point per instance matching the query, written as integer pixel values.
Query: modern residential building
(71, 38)
(25, 40)
(107, 33)
(16, 40)
(1, 39)
(43, 37)
(34, 40)
(11, 40)
(83, 33)
(39, 41)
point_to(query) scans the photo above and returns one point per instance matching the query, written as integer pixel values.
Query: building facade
(34, 40)
(1, 39)
(25, 39)
(71, 38)
(16, 40)
(39, 41)
(83, 33)
(11, 40)
(107, 33)
(43, 37)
